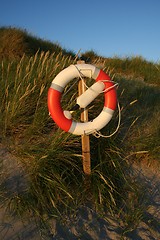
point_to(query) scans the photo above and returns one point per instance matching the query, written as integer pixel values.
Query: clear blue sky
(109, 27)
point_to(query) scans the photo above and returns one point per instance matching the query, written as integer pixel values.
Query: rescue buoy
(103, 83)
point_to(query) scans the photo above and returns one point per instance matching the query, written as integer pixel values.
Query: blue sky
(111, 28)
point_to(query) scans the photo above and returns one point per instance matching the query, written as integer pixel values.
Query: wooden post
(86, 160)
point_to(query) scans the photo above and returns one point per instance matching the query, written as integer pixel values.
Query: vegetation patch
(51, 159)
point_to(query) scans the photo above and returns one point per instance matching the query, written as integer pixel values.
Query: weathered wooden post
(86, 159)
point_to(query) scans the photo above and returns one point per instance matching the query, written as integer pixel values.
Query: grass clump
(24, 86)
(15, 42)
(134, 67)
(140, 114)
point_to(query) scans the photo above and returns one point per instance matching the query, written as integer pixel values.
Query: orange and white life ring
(56, 89)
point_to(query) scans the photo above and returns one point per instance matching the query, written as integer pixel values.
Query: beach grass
(52, 159)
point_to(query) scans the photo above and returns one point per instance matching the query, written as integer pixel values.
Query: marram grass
(52, 159)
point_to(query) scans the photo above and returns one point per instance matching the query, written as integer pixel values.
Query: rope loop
(98, 134)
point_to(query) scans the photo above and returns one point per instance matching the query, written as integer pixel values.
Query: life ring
(55, 92)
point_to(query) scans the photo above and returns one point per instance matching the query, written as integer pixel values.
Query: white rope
(98, 134)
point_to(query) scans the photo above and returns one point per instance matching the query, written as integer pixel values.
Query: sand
(86, 224)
